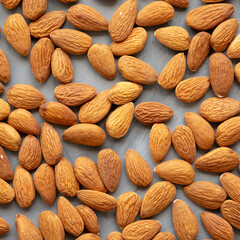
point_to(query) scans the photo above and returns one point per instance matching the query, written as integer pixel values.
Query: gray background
(157, 56)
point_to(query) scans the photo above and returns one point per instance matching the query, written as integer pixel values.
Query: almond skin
(74, 94)
(114, 236)
(155, 13)
(128, 206)
(237, 72)
(10, 4)
(173, 73)
(89, 236)
(159, 141)
(233, 50)
(206, 194)
(138, 171)
(17, 34)
(174, 37)
(86, 18)
(209, 16)
(4, 226)
(135, 70)
(33, 9)
(157, 198)
(164, 235)
(6, 172)
(2, 88)
(4, 109)
(179, 4)
(5, 72)
(7, 193)
(57, 113)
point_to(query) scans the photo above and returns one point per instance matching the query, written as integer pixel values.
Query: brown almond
(178, 3)
(10, 4)
(33, 9)
(89, 236)
(2, 88)
(7, 193)
(67, 1)
(4, 109)
(5, 72)
(233, 50)
(4, 226)
(237, 72)
(114, 236)
(164, 235)
(6, 172)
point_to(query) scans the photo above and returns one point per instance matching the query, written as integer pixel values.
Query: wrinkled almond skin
(10, 4)
(2, 88)
(23, 187)
(114, 236)
(237, 72)
(7, 193)
(184, 221)
(128, 206)
(86, 18)
(89, 236)
(65, 179)
(164, 236)
(25, 96)
(33, 9)
(133, 44)
(233, 50)
(209, 16)
(4, 109)
(4, 226)
(138, 171)
(173, 73)
(159, 141)
(86, 172)
(179, 4)
(47, 23)
(174, 37)
(44, 182)
(206, 194)
(5, 72)
(157, 198)
(17, 34)
(98, 201)
(6, 172)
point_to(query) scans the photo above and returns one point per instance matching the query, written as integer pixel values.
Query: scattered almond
(114, 236)
(164, 235)
(237, 72)
(4, 226)
(7, 193)
(33, 9)
(6, 172)
(4, 109)
(5, 72)
(233, 50)
(10, 4)
(89, 236)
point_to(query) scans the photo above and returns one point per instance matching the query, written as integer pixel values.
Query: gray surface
(137, 138)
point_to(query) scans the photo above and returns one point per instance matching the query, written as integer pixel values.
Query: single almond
(2, 88)
(6, 172)
(33, 9)
(237, 72)
(89, 236)
(7, 193)
(164, 235)
(114, 236)
(233, 50)
(10, 4)
(179, 4)
(4, 109)
(4, 226)
(5, 72)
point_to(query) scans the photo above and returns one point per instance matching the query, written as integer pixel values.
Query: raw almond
(17, 34)
(57, 113)
(7, 193)
(155, 13)
(198, 50)
(23, 121)
(101, 58)
(149, 113)
(86, 18)
(23, 187)
(164, 236)
(178, 3)
(40, 59)
(89, 236)
(135, 70)
(99, 201)
(2, 88)
(44, 182)
(138, 171)
(209, 16)
(71, 41)
(159, 141)
(233, 50)
(157, 198)
(206, 194)
(65, 179)
(85, 134)
(174, 37)
(33, 9)
(4, 109)
(114, 236)
(184, 221)
(47, 23)
(122, 21)
(237, 72)
(6, 172)
(173, 72)
(133, 44)
(5, 72)
(4, 226)
(10, 4)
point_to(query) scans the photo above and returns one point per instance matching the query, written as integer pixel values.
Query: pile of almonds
(58, 175)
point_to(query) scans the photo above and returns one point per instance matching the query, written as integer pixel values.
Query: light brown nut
(6, 172)
(10, 4)
(2, 88)
(237, 72)
(164, 235)
(4, 226)
(114, 236)
(5, 72)
(89, 236)
(4, 109)
(178, 3)
(33, 9)
(233, 50)
(7, 193)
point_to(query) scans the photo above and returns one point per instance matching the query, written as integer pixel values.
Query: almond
(30, 154)
(149, 113)
(25, 96)
(99, 201)
(4, 109)
(114, 236)
(122, 21)
(159, 141)
(6, 172)
(206, 194)
(66, 182)
(33, 9)
(86, 18)
(67, 1)
(71, 41)
(5, 72)
(173, 72)
(2, 88)
(176, 171)
(184, 221)
(23, 121)
(4, 226)
(216, 226)
(192, 89)
(174, 37)
(57, 113)
(138, 171)
(133, 44)
(164, 235)
(7, 193)
(71, 219)
(17, 34)
(87, 174)
(135, 70)
(237, 72)
(209, 16)
(141, 230)
(128, 206)
(101, 58)
(155, 13)
(44, 182)
(10, 4)
(157, 198)
(47, 23)
(219, 109)
(233, 50)
(89, 236)
(85, 134)
(23, 187)
(198, 50)
(178, 3)
(40, 59)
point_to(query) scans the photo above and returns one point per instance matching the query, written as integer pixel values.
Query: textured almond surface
(114, 236)
(4, 109)
(33, 9)
(164, 236)
(89, 236)
(5, 71)
(10, 4)
(2, 88)
(6, 172)
(237, 72)
(178, 3)
(4, 226)
(233, 50)
(7, 193)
